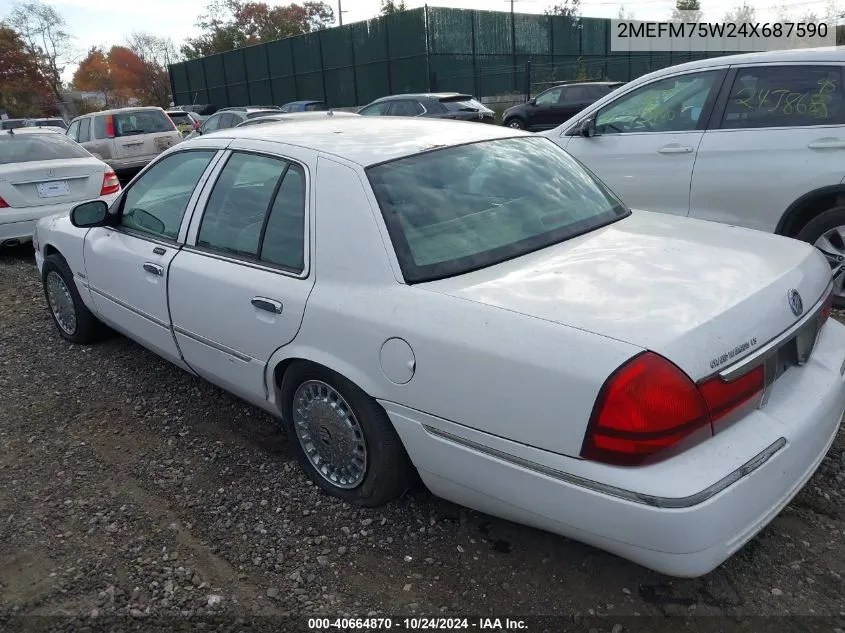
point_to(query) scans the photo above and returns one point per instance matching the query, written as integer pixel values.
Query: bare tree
(624, 14)
(156, 54)
(687, 11)
(742, 13)
(567, 8)
(46, 36)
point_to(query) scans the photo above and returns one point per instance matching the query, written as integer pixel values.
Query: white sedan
(467, 303)
(43, 173)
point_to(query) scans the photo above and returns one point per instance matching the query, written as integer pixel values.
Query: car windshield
(453, 210)
(141, 122)
(462, 105)
(22, 147)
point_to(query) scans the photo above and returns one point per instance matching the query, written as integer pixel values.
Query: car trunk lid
(701, 294)
(37, 183)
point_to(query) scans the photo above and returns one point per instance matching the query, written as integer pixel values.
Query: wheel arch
(282, 360)
(808, 206)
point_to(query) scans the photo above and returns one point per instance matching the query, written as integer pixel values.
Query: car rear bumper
(129, 164)
(773, 451)
(18, 223)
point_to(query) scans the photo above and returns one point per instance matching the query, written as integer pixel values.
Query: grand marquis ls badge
(795, 302)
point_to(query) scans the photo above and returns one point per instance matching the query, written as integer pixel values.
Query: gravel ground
(130, 488)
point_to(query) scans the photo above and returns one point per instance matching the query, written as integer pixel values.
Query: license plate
(53, 189)
(134, 148)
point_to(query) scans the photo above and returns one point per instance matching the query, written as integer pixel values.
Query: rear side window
(257, 211)
(21, 148)
(785, 96)
(156, 202)
(405, 107)
(319, 106)
(100, 127)
(84, 130)
(141, 122)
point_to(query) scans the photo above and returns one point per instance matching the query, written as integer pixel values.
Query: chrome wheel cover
(832, 245)
(61, 302)
(330, 434)
(515, 125)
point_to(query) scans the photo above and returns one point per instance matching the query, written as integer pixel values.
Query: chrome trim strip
(762, 354)
(140, 313)
(220, 348)
(650, 500)
(197, 250)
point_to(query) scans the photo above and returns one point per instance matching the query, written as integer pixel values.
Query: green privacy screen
(484, 53)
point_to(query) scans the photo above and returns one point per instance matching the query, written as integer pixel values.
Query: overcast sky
(108, 22)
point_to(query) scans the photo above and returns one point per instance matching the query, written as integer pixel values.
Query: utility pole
(340, 12)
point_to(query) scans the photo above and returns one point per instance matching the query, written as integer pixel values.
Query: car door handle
(827, 143)
(154, 269)
(674, 149)
(270, 305)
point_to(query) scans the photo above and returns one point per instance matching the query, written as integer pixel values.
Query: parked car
(54, 122)
(226, 118)
(481, 310)
(12, 124)
(127, 138)
(552, 107)
(202, 110)
(305, 106)
(43, 173)
(186, 122)
(443, 105)
(296, 116)
(755, 140)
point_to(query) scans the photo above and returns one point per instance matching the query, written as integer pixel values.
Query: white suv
(756, 140)
(127, 138)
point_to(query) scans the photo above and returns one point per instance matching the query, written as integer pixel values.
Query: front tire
(826, 232)
(515, 123)
(343, 439)
(73, 319)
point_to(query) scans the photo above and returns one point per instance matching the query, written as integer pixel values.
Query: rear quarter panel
(525, 379)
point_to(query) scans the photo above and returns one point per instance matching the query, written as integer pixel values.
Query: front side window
(673, 104)
(257, 211)
(157, 200)
(550, 97)
(785, 96)
(458, 209)
(73, 130)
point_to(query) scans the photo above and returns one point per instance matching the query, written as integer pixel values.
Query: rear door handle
(270, 305)
(675, 149)
(827, 143)
(154, 269)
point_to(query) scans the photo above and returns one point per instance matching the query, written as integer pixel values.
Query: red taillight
(197, 125)
(723, 398)
(110, 184)
(647, 405)
(3, 204)
(110, 126)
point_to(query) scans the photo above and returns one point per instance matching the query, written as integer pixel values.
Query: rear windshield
(454, 210)
(141, 122)
(463, 105)
(180, 117)
(53, 122)
(12, 124)
(22, 147)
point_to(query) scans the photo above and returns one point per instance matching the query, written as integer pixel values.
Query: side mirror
(532, 101)
(587, 128)
(89, 214)
(146, 220)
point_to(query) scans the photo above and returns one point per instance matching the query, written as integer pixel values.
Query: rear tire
(343, 439)
(827, 232)
(71, 316)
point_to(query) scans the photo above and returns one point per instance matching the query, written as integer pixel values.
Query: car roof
(424, 95)
(300, 116)
(29, 130)
(370, 140)
(819, 54)
(306, 102)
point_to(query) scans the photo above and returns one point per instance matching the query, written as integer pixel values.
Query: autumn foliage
(121, 76)
(24, 91)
